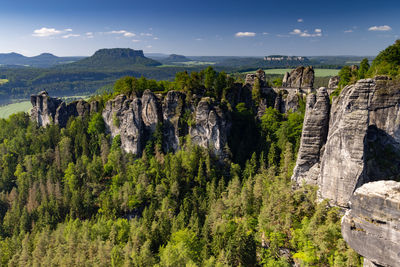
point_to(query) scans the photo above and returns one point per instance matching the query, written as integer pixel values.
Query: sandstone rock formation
(301, 77)
(371, 226)
(260, 74)
(363, 141)
(123, 116)
(44, 108)
(286, 101)
(210, 128)
(315, 131)
(47, 110)
(334, 82)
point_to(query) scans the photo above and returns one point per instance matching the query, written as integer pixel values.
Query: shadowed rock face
(47, 110)
(44, 108)
(334, 82)
(362, 144)
(315, 130)
(301, 77)
(371, 226)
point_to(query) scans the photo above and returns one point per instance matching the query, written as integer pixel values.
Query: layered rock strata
(372, 225)
(301, 77)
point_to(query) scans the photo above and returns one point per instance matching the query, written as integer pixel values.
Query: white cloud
(146, 34)
(135, 40)
(68, 30)
(156, 38)
(265, 33)
(149, 46)
(383, 28)
(46, 32)
(89, 35)
(245, 34)
(70, 35)
(305, 33)
(300, 20)
(348, 31)
(123, 33)
(199, 39)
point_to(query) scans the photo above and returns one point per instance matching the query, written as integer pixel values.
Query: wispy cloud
(199, 39)
(149, 46)
(245, 34)
(89, 35)
(123, 33)
(383, 28)
(265, 33)
(135, 40)
(146, 34)
(305, 33)
(300, 20)
(70, 35)
(348, 31)
(47, 32)
(156, 38)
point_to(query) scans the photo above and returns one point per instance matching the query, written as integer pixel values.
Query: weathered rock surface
(301, 77)
(334, 82)
(372, 225)
(211, 127)
(123, 116)
(44, 108)
(287, 101)
(47, 110)
(363, 141)
(173, 110)
(315, 131)
(251, 77)
(151, 111)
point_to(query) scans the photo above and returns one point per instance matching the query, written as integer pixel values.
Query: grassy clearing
(318, 72)
(7, 110)
(3, 81)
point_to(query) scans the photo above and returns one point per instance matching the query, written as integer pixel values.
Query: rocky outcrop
(315, 130)
(123, 116)
(47, 110)
(260, 75)
(334, 82)
(173, 110)
(371, 226)
(363, 141)
(301, 77)
(211, 127)
(151, 111)
(286, 101)
(44, 108)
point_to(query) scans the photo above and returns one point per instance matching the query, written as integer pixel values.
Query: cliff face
(301, 77)
(371, 226)
(313, 137)
(362, 143)
(47, 110)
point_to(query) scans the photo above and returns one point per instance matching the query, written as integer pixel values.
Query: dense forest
(73, 197)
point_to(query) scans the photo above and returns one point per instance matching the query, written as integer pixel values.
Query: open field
(318, 72)
(3, 81)
(7, 110)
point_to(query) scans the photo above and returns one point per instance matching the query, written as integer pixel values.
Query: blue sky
(236, 28)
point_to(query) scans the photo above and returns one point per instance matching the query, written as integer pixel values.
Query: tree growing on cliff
(364, 67)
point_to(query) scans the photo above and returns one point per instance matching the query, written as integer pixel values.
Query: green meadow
(7, 110)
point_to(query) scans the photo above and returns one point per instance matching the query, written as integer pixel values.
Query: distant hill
(43, 60)
(115, 58)
(177, 58)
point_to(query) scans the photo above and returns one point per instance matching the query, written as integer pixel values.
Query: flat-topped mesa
(371, 226)
(300, 78)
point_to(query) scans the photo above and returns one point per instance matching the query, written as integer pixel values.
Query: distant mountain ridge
(43, 60)
(115, 58)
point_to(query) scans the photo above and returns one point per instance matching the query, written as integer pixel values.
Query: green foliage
(256, 91)
(387, 62)
(73, 197)
(364, 67)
